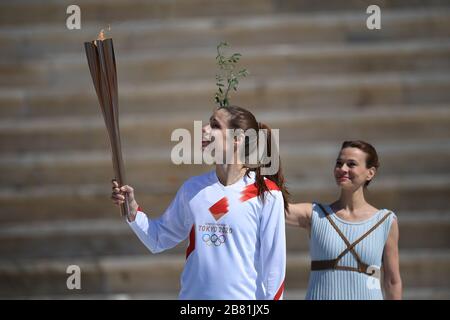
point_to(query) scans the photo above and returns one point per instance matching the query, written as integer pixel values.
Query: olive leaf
(228, 78)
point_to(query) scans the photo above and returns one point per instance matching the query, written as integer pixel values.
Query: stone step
(34, 13)
(312, 92)
(431, 293)
(22, 43)
(138, 131)
(145, 274)
(411, 193)
(112, 237)
(71, 70)
(81, 167)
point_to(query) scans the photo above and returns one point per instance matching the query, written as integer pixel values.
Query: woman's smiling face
(350, 171)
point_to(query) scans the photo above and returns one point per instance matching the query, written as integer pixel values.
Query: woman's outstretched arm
(299, 215)
(162, 233)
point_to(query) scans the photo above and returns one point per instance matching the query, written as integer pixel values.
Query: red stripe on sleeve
(279, 292)
(191, 246)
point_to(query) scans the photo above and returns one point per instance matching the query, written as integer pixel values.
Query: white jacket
(237, 243)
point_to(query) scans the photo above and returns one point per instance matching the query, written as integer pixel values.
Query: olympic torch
(102, 66)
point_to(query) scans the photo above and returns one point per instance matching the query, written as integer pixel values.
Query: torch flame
(101, 35)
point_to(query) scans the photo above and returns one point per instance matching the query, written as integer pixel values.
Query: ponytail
(241, 118)
(278, 177)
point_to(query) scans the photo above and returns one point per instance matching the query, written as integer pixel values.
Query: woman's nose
(205, 128)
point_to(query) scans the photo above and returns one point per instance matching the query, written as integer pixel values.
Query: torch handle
(125, 208)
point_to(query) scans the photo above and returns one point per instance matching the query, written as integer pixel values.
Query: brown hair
(368, 149)
(241, 118)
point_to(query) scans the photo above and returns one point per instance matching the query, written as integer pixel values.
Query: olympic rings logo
(213, 239)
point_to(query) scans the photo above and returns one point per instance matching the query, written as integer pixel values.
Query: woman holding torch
(233, 217)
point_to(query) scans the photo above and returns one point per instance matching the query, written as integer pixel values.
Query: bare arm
(299, 215)
(392, 280)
